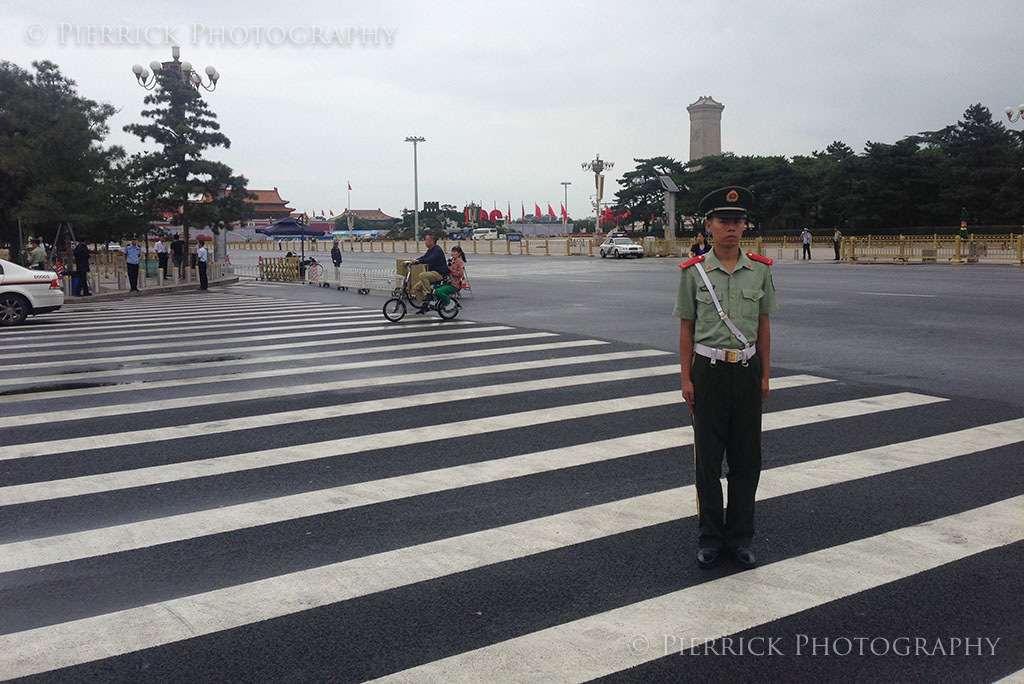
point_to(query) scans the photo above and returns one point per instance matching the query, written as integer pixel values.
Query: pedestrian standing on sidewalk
(336, 254)
(201, 260)
(161, 255)
(723, 303)
(132, 253)
(178, 254)
(82, 269)
(837, 239)
(806, 235)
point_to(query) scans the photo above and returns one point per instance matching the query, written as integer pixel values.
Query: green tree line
(923, 180)
(55, 167)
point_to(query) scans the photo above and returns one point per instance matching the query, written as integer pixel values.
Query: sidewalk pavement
(148, 289)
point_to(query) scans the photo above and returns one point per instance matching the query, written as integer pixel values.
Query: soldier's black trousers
(726, 423)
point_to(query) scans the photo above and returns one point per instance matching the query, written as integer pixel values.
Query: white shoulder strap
(721, 312)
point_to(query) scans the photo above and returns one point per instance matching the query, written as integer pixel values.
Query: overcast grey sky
(513, 96)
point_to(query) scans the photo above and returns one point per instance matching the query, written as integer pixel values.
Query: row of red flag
(496, 215)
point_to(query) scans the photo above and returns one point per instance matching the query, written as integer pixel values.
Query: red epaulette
(691, 262)
(758, 257)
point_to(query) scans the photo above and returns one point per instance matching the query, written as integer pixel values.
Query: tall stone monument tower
(705, 127)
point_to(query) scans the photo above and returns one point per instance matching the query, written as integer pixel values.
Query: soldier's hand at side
(764, 390)
(688, 394)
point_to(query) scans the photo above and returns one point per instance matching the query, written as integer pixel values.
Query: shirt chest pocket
(750, 303)
(706, 310)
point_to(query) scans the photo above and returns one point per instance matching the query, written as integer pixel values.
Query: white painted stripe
(894, 294)
(1012, 678)
(138, 535)
(183, 318)
(140, 477)
(223, 426)
(313, 388)
(257, 349)
(599, 645)
(224, 339)
(296, 372)
(343, 321)
(576, 651)
(137, 373)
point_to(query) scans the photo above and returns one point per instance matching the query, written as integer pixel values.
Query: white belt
(727, 355)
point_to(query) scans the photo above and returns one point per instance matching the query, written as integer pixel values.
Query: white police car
(621, 247)
(24, 292)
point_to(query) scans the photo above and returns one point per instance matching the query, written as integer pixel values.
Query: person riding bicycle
(437, 269)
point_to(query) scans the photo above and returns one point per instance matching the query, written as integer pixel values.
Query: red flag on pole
(523, 207)
(551, 212)
(536, 208)
(350, 186)
(332, 212)
(509, 214)
(564, 214)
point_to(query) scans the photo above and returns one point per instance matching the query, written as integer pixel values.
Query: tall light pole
(1015, 117)
(565, 204)
(597, 166)
(415, 139)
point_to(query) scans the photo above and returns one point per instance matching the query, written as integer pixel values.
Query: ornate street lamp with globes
(1015, 117)
(184, 69)
(597, 166)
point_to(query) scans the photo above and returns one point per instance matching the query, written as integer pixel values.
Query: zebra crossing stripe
(350, 321)
(277, 372)
(313, 388)
(615, 640)
(223, 339)
(576, 651)
(127, 537)
(139, 477)
(176, 318)
(221, 426)
(394, 335)
(136, 373)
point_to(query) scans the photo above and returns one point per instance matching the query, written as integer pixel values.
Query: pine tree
(178, 179)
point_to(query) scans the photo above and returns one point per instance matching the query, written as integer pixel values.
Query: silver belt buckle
(732, 356)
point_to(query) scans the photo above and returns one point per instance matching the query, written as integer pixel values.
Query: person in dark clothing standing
(178, 254)
(437, 269)
(82, 269)
(336, 254)
(201, 258)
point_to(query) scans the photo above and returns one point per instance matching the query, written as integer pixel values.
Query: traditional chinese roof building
(269, 205)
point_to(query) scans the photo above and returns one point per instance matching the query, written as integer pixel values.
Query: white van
(485, 234)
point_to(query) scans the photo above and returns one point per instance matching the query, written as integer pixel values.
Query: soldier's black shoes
(707, 558)
(745, 557)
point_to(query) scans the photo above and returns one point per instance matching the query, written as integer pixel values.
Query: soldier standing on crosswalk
(723, 303)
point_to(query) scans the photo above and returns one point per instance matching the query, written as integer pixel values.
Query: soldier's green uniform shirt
(745, 294)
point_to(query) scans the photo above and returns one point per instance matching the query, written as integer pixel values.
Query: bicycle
(395, 308)
(314, 271)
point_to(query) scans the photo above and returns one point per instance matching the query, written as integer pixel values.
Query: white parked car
(621, 247)
(26, 293)
(485, 234)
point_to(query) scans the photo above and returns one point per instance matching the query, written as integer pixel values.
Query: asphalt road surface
(271, 483)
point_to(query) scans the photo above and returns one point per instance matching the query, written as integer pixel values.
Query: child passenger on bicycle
(457, 267)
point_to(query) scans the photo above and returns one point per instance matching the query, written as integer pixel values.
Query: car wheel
(13, 309)
(640, 255)
(603, 255)
(618, 254)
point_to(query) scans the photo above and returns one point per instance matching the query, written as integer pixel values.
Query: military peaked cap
(732, 201)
